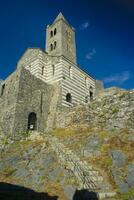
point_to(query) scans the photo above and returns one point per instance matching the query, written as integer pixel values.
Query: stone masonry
(44, 81)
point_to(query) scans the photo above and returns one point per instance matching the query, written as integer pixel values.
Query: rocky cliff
(91, 147)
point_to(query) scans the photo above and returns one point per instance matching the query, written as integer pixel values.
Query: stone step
(88, 177)
(106, 195)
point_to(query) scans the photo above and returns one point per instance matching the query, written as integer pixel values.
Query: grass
(55, 189)
(127, 196)
(8, 171)
(115, 110)
(60, 132)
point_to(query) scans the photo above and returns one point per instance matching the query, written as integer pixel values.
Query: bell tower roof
(61, 17)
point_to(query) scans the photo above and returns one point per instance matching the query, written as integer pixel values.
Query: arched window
(69, 98)
(86, 99)
(53, 70)
(51, 47)
(55, 43)
(55, 31)
(51, 33)
(2, 89)
(32, 121)
(42, 71)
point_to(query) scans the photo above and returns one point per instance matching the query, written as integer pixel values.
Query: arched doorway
(69, 98)
(32, 121)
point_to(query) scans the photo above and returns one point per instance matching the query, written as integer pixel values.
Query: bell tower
(60, 39)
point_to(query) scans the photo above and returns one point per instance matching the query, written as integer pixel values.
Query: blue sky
(104, 34)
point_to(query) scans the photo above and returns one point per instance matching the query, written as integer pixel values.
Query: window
(86, 99)
(51, 47)
(91, 93)
(55, 31)
(53, 69)
(51, 33)
(55, 43)
(69, 98)
(42, 71)
(2, 89)
(91, 88)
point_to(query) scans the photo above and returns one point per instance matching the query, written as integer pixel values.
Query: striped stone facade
(58, 64)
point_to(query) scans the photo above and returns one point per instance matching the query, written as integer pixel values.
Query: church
(43, 81)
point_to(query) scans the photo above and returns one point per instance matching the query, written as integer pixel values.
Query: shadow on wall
(15, 192)
(85, 195)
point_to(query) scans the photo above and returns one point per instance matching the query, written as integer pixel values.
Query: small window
(86, 99)
(53, 69)
(91, 95)
(55, 43)
(42, 71)
(69, 98)
(55, 31)
(51, 47)
(51, 33)
(2, 89)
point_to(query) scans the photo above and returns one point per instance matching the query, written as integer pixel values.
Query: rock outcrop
(90, 148)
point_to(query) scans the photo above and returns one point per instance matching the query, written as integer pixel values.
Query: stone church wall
(24, 94)
(33, 96)
(8, 98)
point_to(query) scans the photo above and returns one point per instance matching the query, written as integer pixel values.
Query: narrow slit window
(53, 69)
(55, 44)
(51, 47)
(91, 93)
(2, 89)
(55, 31)
(42, 71)
(51, 33)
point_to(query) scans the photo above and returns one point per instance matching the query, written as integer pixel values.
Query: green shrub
(115, 110)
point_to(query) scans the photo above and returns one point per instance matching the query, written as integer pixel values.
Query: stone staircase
(88, 177)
